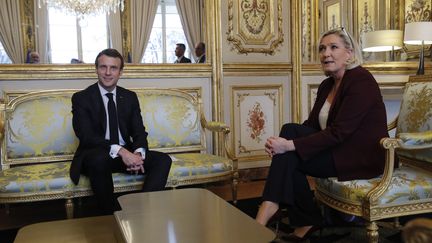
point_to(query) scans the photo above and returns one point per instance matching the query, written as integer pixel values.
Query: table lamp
(383, 40)
(419, 33)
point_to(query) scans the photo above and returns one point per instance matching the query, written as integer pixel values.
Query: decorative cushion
(55, 176)
(407, 184)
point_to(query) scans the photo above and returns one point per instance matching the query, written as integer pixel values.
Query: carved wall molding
(28, 28)
(254, 25)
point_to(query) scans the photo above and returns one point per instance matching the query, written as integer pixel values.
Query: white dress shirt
(114, 147)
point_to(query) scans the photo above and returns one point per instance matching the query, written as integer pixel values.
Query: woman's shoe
(275, 220)
(294, 238)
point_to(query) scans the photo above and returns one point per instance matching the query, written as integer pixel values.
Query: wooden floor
(28, 213)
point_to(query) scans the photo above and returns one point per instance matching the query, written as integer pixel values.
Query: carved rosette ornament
(257, 28)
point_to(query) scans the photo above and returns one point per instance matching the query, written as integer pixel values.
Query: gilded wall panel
(366, 21)
(332, 15)
(417, 11)
(256, 115)
(255, 26)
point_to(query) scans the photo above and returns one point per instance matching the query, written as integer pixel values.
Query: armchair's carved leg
(234, 187)
(372, 232)
(69, 208)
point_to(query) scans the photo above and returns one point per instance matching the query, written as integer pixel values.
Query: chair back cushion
(416, 114)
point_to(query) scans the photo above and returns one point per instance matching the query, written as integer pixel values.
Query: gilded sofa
(38, 143)
(406, 190)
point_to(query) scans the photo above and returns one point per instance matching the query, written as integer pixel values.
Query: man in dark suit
(112, 138)
(179, 52)
(200, 52)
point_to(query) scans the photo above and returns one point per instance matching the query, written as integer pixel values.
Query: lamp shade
(416, 32)
(382, 40)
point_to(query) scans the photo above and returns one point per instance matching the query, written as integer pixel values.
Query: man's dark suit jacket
(184, 60)
(202, 59)
(89, 123)
(356, 123)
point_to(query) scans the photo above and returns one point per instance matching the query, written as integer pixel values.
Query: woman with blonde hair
(339, 139)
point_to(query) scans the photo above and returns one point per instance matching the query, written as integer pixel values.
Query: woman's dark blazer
(356, 123)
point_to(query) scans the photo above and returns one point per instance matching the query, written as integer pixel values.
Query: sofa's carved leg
(234, 187)
(397, 224)
(7, 209)
(372, 232)
(69, 208)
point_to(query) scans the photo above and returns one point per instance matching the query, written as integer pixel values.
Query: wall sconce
(419, 33)
(383, 40)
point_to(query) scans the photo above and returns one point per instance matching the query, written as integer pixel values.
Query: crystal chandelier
(81, 8)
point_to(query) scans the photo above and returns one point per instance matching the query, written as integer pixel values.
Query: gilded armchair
(406, 190)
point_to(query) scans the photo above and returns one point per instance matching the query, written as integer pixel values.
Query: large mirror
(360, 17)
(144, 31)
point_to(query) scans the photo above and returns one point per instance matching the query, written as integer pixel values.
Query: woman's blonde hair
(349, 42)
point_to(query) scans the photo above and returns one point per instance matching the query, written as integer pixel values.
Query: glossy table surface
(186, 215)
(102, 229)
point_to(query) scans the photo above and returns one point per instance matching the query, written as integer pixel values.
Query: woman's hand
(278, 145)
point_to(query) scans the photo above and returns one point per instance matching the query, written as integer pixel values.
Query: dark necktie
(112, 116)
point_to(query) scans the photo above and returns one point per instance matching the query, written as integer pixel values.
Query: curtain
(114, 31)
(10, 30)
(190, 17)
(42, 34)
(142, 18)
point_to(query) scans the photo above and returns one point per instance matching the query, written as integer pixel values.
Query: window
(4, 58)
(73, 38)
(166, 33)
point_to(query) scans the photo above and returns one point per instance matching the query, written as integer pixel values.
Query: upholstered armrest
(416, 140)
(220, 127)
(393, 124)
(390, 145)
(217, 127)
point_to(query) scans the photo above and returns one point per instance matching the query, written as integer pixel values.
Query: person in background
(33, 57)
(112, 138)
(76, 61)
(200, 52)
(179, 52)
(340, 138)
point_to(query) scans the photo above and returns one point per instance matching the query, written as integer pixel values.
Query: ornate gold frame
(243, 42)
(27, 28)
(126, 29)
